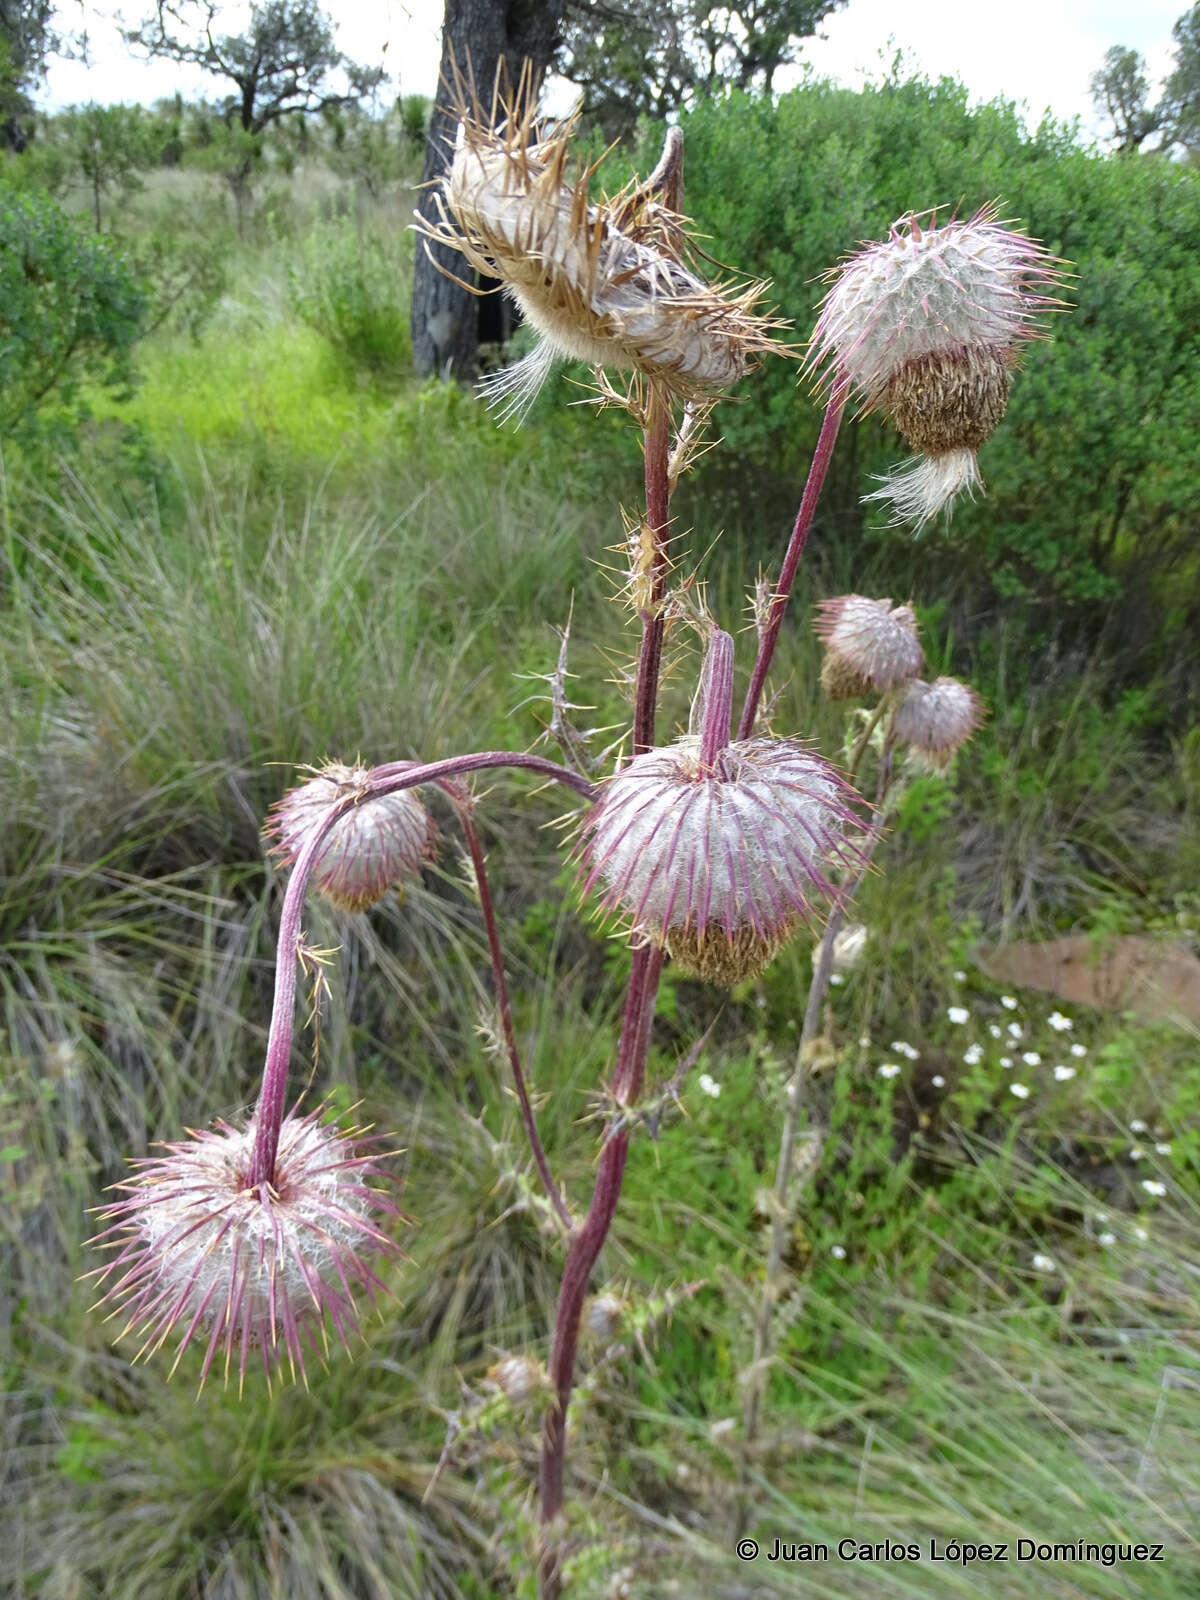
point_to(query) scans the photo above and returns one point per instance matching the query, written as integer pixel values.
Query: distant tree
(650, 57)
(1121, 89)
(1181, 91)
(285, 63)
(477, 36)
(26, 38)
(109, 146)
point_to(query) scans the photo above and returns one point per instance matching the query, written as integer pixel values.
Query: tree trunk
(476, 35)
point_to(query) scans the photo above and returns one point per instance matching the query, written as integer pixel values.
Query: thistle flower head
(928, 327)
(720, 862)
(934, 719)
(601, 281)
(377, 846)
(202, 1252)
(869, 645)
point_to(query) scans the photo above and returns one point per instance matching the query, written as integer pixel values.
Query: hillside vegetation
(256, 540)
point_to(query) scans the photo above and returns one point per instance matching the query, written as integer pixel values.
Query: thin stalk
(791, 561)
(817, 990)
(478, 862)
(629, 1075)
(389, 779)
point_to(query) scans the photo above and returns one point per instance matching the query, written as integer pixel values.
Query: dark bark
(477, 36)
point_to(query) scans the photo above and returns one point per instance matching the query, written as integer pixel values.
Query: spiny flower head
(928, 327)
(869, 645)
(935, 719)
(204, 1253)
(377, 846)
(721, 862)
(603, 282)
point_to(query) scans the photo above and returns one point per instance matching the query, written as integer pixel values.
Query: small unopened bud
(605, 1314)
(377, 846)
(519, 1378)
(935, 719)
(869, 646)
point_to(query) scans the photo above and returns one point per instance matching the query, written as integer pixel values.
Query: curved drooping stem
(478, 862)
(629, 1076)
(791, 561)
(384, 780)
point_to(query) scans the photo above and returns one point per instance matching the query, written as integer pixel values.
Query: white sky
(1041, 52)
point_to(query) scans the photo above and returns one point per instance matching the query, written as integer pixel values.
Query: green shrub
(1091, 489)
(352, 289)
(70, 311)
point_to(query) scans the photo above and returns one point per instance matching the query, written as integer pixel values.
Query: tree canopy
(651, 57)
(285, 61)
(1121, 89)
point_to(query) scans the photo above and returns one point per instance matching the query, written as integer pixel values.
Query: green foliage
(350, 287)
(1090, 484)
(71, 310)
(108, 146)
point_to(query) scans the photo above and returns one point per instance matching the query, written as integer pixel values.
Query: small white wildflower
(903, 1049)
(1044, 1264)
(1136, 1153)
(1137, 1126)
(1006, 1061)
(960, 977)
(1140, 1233)
(835, 978)
(938, 1081)
(1031, 1058)
(864, 1042)
(889, 1069)
(1152, 1186)
(1015, 1030)
(1163, 1148)
(1063, 1073)
(708, 1086)
(994, 1030)
(958, 1013)
(973, 1055)
(1108, 1238)
(1021, 1090)
(1058, 1022)
(1079, 1049)
(838, 1252)
(1009, 1002)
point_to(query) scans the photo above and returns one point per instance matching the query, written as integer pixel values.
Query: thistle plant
(715, 846)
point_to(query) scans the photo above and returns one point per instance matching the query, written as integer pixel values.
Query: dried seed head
(378, 846)
(720, 862)
(203, 1252)
(868, 645)
(929, 325)
(601, 282)
(934, 719)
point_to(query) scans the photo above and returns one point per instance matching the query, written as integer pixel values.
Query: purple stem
(389, 779)
(506, 1021)
(716, 699)
(629, 1076)
(791, 561)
